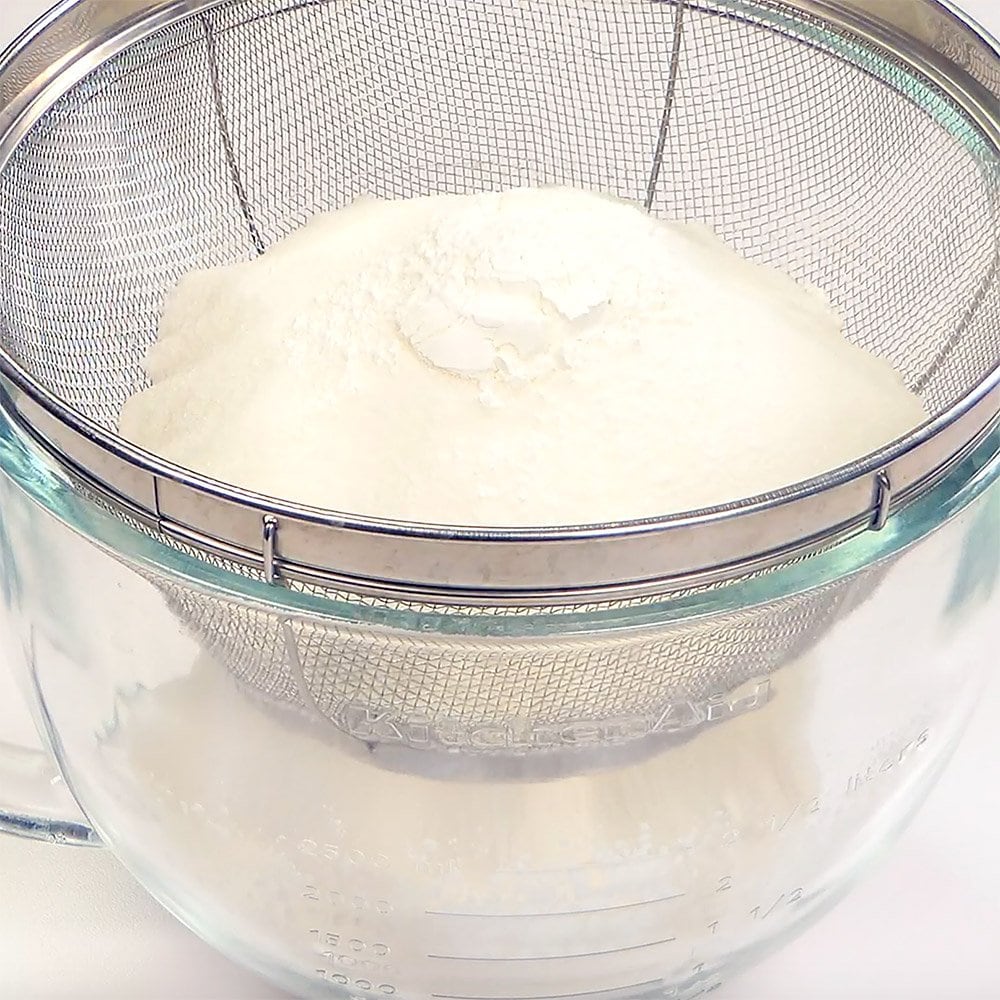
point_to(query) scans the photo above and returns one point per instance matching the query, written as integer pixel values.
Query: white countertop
(925, 926)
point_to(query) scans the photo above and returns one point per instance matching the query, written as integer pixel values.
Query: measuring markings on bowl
(367, 985)
(334, 939)
(663, 992)
(363, 962)
(331, 851)
(759, 911)
(559, 913)
(603, 992)
(555, 958)
(351, 901)
(884, 763)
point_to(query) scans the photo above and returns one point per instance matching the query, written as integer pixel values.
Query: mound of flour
(540, 356)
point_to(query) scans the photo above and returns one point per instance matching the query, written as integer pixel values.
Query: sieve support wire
(227, 139)
(987, 281)
(668, 104)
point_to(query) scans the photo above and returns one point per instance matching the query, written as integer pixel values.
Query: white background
(926, 926)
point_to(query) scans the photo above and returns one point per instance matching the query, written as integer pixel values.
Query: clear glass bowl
(359, 865)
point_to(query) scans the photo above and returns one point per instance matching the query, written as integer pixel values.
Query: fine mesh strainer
(853, 143)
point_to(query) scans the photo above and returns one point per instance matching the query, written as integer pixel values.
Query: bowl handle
(35, 802)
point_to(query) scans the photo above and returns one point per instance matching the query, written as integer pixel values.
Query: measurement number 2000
(345, 901)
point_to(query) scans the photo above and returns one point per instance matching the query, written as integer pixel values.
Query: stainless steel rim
(286, 541)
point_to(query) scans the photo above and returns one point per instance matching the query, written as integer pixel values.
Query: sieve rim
(553, 564)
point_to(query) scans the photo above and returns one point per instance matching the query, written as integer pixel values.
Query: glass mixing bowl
(615, 762)
(363, 866)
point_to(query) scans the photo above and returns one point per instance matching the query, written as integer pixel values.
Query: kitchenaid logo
(386, 726)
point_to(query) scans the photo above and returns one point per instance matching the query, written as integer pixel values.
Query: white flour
(540, 356)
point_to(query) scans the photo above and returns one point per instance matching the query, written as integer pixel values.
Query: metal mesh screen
(213, 138)
(495, 693)
(208, 141)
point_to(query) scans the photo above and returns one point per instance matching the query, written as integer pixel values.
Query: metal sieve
(853, 143)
